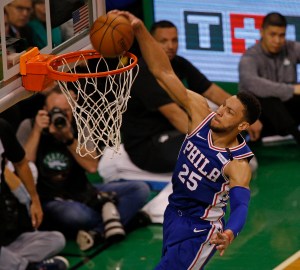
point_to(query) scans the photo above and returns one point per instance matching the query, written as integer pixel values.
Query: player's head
(165, 32)
(273, 32)
(237, 113)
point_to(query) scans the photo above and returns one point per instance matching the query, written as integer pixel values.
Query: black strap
(229, 154)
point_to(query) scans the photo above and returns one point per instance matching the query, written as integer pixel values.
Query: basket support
(33, 68)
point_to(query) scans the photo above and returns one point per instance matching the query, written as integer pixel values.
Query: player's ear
(243, 126)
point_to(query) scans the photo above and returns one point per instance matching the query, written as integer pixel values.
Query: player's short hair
(161, 24)
(252, 106)
(274, 19)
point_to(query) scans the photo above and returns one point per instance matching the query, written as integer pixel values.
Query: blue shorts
(186, 241)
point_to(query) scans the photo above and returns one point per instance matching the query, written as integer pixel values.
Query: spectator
(22, 246)
(18, 15)
(268, 70)
(69, 201)
(38, 26)
(154, 126)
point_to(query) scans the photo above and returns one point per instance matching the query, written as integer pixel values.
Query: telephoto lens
(113, 229)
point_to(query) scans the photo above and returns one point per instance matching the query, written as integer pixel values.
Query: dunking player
(212, 167)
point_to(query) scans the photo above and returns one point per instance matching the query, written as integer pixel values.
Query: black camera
(58, 117)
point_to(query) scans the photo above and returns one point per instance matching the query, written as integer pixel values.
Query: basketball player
(212, 167)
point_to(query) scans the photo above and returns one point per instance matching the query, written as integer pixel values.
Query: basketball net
(101, 95)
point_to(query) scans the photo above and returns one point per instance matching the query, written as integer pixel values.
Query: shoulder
(239, 172)
(292, 45)
(252, 55)
(253, 50)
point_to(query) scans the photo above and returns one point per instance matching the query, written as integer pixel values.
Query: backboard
(54, 26)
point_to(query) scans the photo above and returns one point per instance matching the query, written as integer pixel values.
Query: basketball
(111, 35)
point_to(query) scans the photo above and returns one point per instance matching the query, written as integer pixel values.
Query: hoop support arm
(33, 68)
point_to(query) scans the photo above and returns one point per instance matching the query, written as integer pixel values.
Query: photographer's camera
(114, 231)
(58, 117)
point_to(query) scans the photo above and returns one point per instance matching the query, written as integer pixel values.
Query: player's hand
(135, 22)
(36, 213)
(42, 120)
(221, 240)
(254, 130)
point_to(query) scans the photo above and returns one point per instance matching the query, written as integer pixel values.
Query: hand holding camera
(56, 121)
(42, 121)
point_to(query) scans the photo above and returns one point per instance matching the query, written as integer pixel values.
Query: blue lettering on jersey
(200, 162)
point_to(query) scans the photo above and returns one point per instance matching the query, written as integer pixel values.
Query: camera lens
(113, 229)
(58, 117)
(59, 122)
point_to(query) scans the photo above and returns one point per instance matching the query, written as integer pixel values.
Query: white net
(99, 102)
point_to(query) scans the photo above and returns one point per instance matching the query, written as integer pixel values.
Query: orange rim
(72, 57)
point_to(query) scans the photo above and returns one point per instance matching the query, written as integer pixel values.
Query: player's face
(229, 116)
(168, 39)
(273, 38)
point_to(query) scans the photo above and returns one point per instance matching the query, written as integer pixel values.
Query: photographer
(70, 202)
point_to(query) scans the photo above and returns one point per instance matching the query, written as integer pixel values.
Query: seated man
(70, 202)
(18, 15)
(22, 245)
(268, 70)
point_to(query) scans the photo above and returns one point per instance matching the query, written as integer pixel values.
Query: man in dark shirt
(22, 246)
(70, 202)
(154, 126)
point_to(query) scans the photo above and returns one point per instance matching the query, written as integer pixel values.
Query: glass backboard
(54, 26)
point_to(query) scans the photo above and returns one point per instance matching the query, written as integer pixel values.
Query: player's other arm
(239, 174)
(159, 65)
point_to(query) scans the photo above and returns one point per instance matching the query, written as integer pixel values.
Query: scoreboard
(214, 34)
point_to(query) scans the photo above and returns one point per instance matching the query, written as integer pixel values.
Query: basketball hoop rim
(72, 57)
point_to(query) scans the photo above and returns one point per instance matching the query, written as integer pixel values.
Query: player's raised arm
(159, 65)
(158, 62)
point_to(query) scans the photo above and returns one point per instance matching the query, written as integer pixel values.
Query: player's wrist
(229, 234)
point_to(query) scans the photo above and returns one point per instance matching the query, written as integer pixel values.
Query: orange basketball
(111, 35)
